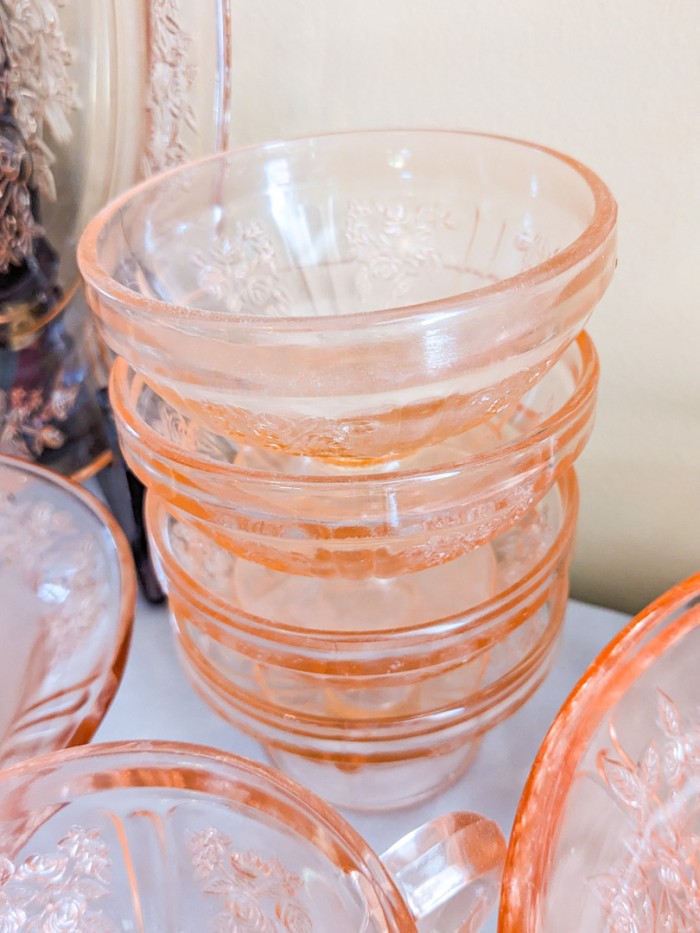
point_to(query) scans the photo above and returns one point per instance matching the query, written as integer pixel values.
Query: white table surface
(155, 701)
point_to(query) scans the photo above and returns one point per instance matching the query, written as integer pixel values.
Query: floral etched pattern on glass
(57, 891)
(256, 893)
(56, 562)
(154, 836)
(187, 434)
(71, 888)
(607, 837)
(171, 77)
(186, 95)
(68, 602)
(240, 272)
(653, 885)
(393, 242)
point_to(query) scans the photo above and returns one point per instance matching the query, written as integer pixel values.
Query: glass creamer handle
(449, 871)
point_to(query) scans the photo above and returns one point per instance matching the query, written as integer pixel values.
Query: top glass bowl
(353, 296)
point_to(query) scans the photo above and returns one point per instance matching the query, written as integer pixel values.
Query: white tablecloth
(155, 701)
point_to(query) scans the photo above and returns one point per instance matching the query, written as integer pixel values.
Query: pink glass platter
(606, 836)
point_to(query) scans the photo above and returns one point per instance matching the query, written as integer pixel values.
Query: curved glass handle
(449, 871)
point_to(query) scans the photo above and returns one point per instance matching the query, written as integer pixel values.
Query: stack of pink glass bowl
(354, 377)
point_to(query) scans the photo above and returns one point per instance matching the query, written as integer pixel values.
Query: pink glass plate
(157, 836)
(354, 296)
(68, 592)
(607, 837)
(295, 514)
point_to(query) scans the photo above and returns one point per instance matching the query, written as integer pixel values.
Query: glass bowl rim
(597, 232)
(585, 388)
(201, 757)
(431, 632)
(527, 672)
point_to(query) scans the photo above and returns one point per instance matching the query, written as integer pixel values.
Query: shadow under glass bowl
(310, 517)
(607, 834)
(354, 296)
(69, 593)
(346, 711)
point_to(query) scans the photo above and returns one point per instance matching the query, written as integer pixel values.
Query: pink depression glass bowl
(353, 296)
(299, 515)
(607, 836)
(380, 716)
(68, 592)
(157, 836)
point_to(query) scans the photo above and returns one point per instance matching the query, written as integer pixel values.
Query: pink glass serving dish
(157, 836)
(68, 600)
(382, 704)
(354, 296)
(607, 836)
(307, 517)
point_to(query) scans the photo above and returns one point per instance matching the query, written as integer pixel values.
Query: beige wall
(615, 83)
